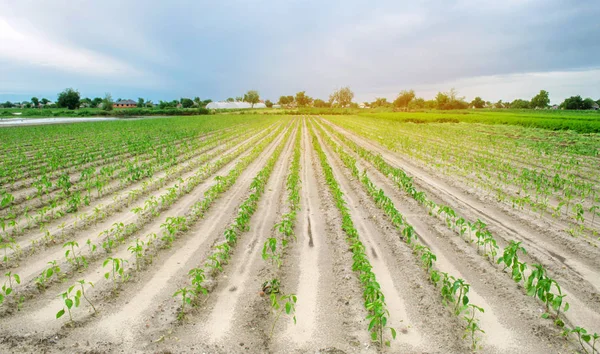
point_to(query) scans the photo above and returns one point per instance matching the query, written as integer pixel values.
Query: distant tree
(252, 97)
(541, 100)
(27, 104)
(44, 101)
(573, 102)
(268, 103)
(598, 102)
(320, 103)
(417, 103)
(230, 99)
(302, 100)
(86, 101)
(35, 101)
(107, 102)
(239, 99)
(588, 103)
(283, 100)
(8, 104)
(478, 102)
(69, 98)
(140, 102)
(450, 100)
(404, 98)
(379, 102)
(286, 100)
(342, 97)
(186, 102)
(366, 104)
(520, 104)
(149, 104)
(96, 101)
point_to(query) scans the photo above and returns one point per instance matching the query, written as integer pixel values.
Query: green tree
(541, 100)
(588, 103)
(268, 103)
(87, 101)
(186, 102)
(302, 99)
(379, 102)
(230, 99)
(404, 98)
(417, 103)
(44, 101)
(520, 104)
(35, 101)
(320, 103)
(140, 102)
(252, 97)
(96, 101)
(239, 99)
(107, 102)
(342, 97)
(478, 102)
(573, 102)
(283, 100)
(69, 98)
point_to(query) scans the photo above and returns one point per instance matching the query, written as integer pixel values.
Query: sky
(171, 49)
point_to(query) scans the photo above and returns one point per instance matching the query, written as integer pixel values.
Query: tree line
(71, 99)
(340, 98)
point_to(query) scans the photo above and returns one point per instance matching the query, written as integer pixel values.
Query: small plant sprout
(7, 288)
(138, 250)
(69, 300)
(288, 301)
(197, 278)
(117, 270)
(584, 338)
(185, 299)
(47, 274)
(82, 284)
(72, 257)
(473, 325)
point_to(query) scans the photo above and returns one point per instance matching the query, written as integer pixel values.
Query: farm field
(293, 234)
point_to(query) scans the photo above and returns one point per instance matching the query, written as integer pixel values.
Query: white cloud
(34, 48)
(560, 84)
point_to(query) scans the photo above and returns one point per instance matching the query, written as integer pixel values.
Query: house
(554, 107)
(595, 106)
(125, 104)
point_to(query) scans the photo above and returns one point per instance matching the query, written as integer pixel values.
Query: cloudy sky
(216, 49)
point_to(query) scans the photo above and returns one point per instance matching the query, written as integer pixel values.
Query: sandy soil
(236, 317)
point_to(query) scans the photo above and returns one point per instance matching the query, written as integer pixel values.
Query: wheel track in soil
(32, 269)
(122, 322)
(42, 317)
(315, 269)
(583, 311)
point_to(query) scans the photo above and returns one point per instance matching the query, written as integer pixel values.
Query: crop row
(221, 252)
(537, 284)
(453, 290)
(374, 300)
(118, 234)
(150, 206)
(539, 188)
